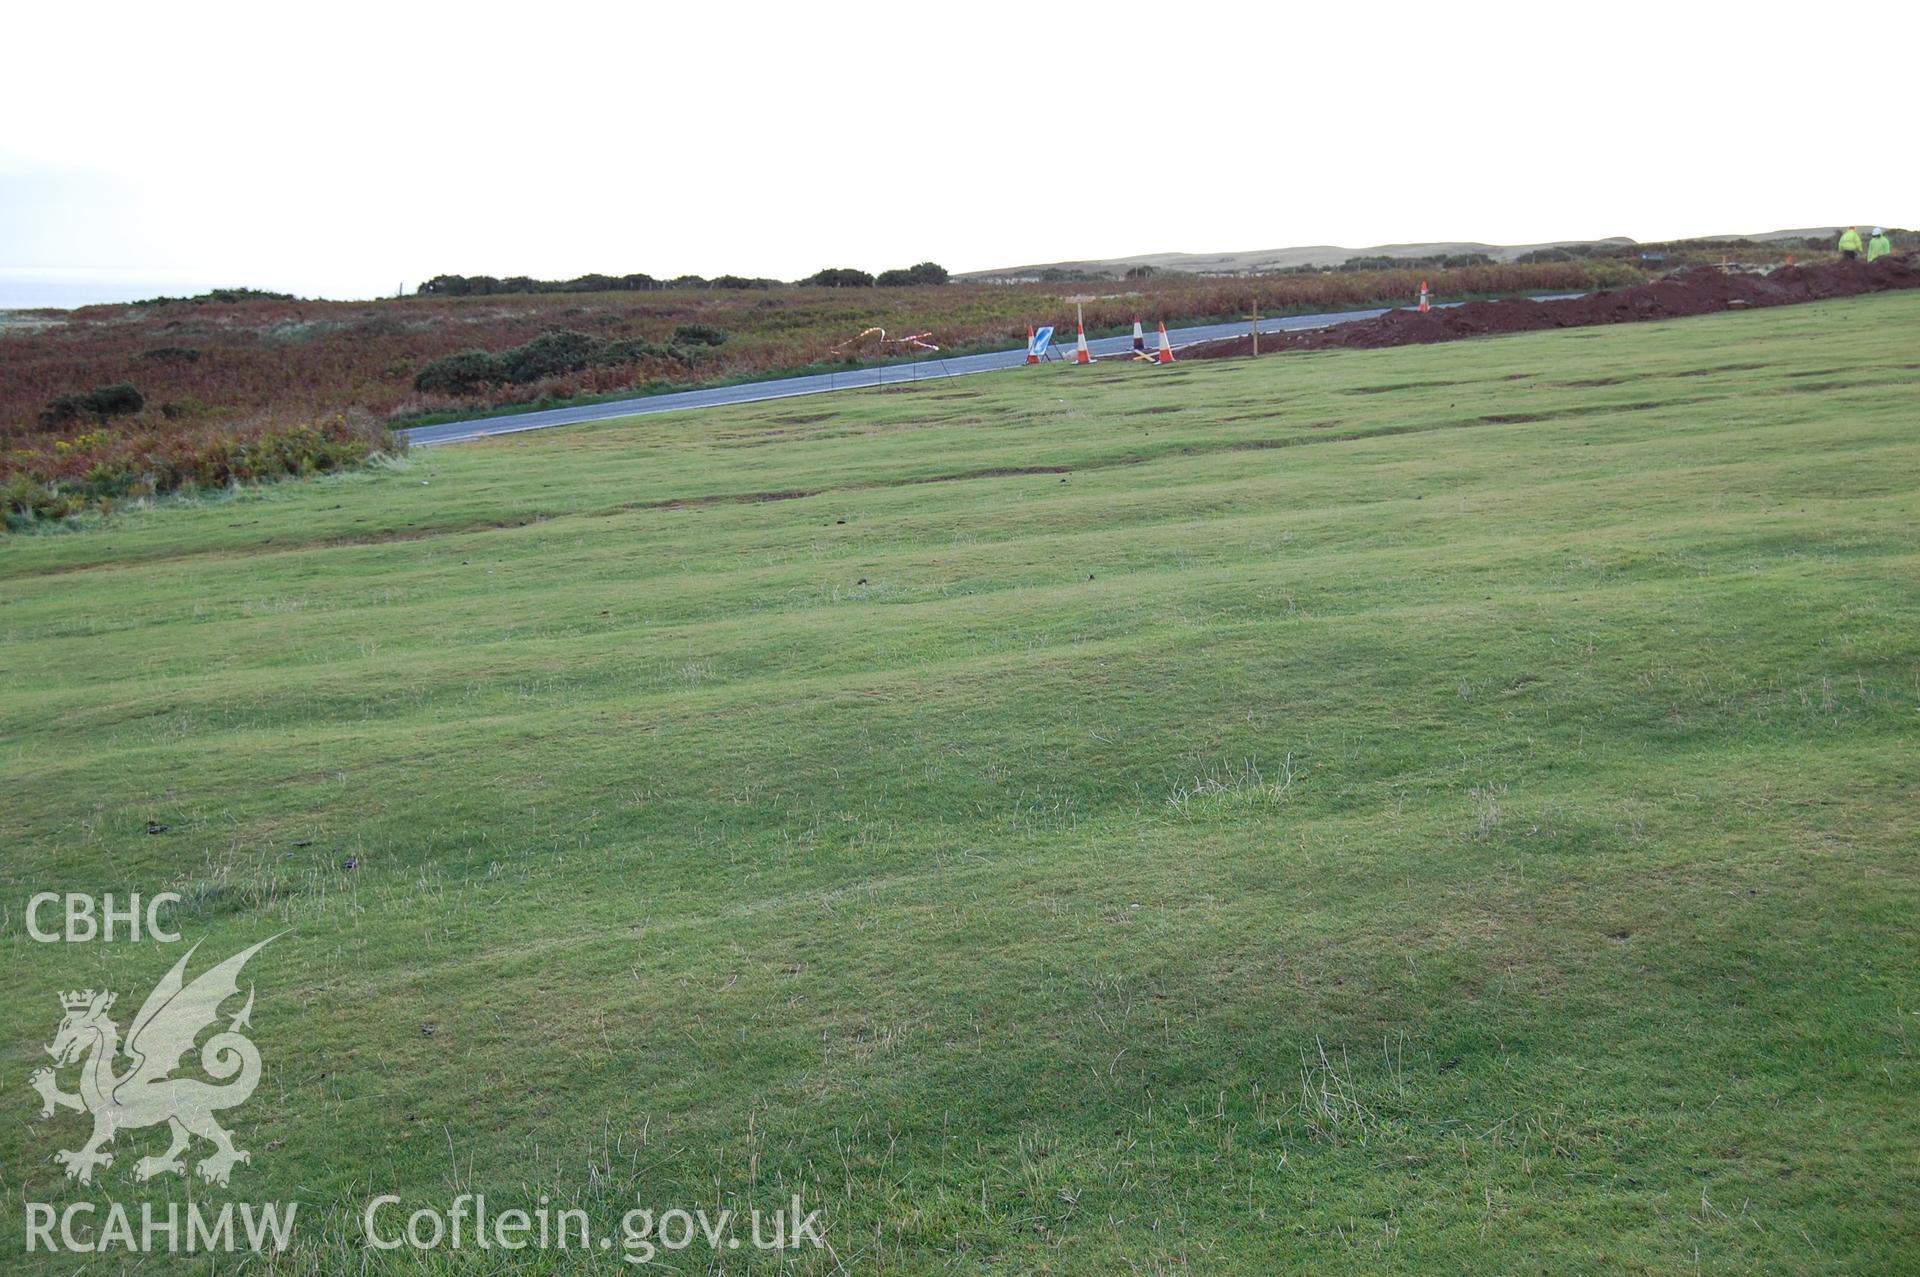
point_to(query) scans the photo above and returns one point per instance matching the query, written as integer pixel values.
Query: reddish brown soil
(1699, 290)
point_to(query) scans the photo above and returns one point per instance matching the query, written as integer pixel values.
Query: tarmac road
(852, 379)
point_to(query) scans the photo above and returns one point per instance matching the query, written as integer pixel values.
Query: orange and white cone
(1166, 347)
(1139, 339)
(1424, 306)
(1080, 354)
(1032, 356)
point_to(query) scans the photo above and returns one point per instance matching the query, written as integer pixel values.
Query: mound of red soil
(1700, 290)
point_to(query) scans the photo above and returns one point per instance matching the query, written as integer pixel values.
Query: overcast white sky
(345, 149)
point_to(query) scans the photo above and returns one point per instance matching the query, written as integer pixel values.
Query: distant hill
(1273, 259)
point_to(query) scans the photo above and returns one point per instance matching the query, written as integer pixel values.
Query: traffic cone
(1424, 307)
(1032, 358)
(1080, 355)
(1139, 338)
(1166, 347)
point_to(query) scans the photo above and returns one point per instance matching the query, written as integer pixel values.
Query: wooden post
(1256, 325)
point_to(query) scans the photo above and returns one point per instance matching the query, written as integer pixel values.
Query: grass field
(1436, 809)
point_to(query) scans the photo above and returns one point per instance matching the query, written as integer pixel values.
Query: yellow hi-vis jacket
(1850, 242)
(1878, 246)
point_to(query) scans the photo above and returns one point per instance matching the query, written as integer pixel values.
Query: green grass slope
(1442, 809)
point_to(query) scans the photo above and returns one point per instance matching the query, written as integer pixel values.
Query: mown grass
(1428, 809)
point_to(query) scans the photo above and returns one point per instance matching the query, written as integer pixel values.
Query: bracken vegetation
(98, 468)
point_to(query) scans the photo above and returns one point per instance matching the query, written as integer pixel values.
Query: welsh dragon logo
(145, 1092)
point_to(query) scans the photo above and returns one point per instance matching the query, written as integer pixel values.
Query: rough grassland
(1437, 809)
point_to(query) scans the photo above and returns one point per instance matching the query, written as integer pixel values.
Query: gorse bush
(118, 400)
(491, 285)
(1437, 261)
(838, 277)
(616, 354)
(488, 285)
(220, 296)
(465, 372)
(186, 408)
(558, 351)
(699, 335)
(555, 351)
(923, 273)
